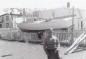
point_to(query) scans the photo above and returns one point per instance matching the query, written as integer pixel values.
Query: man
(51, 44)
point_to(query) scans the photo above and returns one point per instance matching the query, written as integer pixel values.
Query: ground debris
(6, 55)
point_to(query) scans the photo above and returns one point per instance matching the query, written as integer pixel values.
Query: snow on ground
(17, 50)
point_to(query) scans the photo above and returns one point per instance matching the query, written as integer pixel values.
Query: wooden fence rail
(64, 37)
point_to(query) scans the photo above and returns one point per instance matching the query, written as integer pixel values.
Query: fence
(7, 33)
(64, 37)
(17, 35)
(69, 37)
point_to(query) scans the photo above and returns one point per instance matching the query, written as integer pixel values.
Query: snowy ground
(17, 50)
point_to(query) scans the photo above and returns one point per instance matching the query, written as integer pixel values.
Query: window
(1, 20)
(36, 14)
(34, 19)
(0, 25)
(7, 25)
(81, 24)
(7, 18)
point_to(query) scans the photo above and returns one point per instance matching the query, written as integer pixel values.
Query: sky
(41, 4)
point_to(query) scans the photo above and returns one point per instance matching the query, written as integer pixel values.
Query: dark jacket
(50, 43)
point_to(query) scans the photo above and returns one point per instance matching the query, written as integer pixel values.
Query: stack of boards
(76, 43)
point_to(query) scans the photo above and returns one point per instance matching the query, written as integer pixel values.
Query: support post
(72, 39)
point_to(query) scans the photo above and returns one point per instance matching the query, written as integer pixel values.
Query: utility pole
(53, 14)
(11, 14)
(24, 14)
(72, 39)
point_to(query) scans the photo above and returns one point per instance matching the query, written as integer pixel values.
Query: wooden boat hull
(56, 24)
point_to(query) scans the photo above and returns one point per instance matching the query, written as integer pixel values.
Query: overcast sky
(49, 4)
(40, 4)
